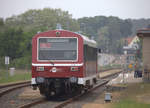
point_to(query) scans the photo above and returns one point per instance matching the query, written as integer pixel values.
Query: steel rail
(28, 105)
(90, 90)
(76, 97)
(13, 87)
(61, 105)
(13, 84)
(111, 75)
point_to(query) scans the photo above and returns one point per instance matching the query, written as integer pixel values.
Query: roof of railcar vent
(89, 42)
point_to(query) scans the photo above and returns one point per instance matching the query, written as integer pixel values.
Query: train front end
(57, 62)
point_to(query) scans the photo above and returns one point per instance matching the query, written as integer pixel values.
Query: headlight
(39, 79)
(74, 68)
(40, 68)
(73, 79)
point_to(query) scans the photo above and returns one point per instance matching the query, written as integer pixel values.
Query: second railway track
(4, 89)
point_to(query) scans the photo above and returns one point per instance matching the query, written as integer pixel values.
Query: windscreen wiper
(51, 62)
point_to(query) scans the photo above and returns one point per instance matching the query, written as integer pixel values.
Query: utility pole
(125, 65)
(6, 63)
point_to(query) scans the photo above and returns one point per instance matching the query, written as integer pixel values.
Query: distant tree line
(16, 32)
(108, 31)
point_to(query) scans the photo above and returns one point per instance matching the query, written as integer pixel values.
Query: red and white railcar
(63, 61)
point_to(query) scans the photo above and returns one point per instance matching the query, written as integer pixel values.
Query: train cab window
(90, 53)
(57, 49)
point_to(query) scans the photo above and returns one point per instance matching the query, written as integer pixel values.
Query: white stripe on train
(33, 64)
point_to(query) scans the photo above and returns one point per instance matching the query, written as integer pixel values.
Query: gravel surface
(10, 100)
(95, 97)
(13, 99)
(49, 104)
(25, 95)
(77, 103)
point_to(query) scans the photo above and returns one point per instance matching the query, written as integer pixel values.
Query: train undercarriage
(54, 87)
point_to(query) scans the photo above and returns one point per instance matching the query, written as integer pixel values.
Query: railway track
(4, 89)
(63, 103)
(100, 83)
(111, 75)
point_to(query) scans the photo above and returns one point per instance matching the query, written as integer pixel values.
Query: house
(132, 42)
(144, 35)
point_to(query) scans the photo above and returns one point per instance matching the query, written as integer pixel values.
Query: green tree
(10, 41)
(1, 22)
(42, 20)
(108, 31)
(2, 25)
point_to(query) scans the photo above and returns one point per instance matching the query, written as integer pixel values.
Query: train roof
(87, 41)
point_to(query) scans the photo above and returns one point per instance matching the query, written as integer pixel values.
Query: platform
(128, 78)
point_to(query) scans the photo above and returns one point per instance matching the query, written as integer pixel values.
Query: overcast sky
(81, 8)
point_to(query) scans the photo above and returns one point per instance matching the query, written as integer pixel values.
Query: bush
(21, 63)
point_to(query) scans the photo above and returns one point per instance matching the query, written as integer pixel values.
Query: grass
(130, 104)
(20, 75)
(106, 67)
(135, 96)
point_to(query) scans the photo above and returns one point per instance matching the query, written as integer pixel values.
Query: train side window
(90, 53)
